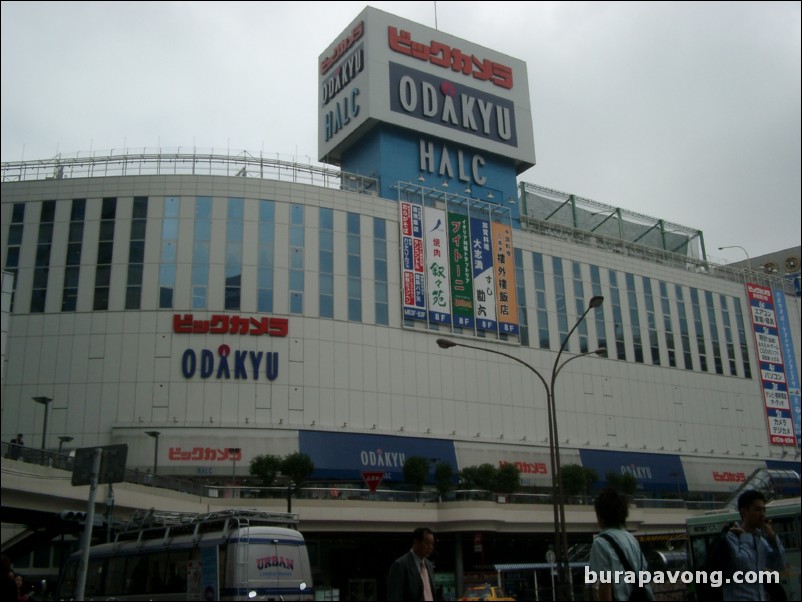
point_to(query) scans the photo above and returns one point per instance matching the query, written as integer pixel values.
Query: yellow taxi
(485, 592)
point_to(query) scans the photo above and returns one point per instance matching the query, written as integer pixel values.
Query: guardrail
(343, 491)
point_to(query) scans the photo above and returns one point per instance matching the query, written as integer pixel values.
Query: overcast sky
(689, 112)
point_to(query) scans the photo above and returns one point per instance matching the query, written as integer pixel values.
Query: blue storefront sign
(346, 455)
(654, 472)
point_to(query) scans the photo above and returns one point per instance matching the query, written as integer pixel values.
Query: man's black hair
(748, 497)
(612, 508)
(419, 533)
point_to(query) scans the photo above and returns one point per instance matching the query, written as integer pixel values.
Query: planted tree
(266, 468)
(625, 483)
(416, 469)
(443, 478)
(508, 478)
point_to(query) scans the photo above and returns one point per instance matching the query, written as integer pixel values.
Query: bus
(229, 555)
(785, 520)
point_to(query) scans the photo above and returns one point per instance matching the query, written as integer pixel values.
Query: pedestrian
(614, 541)
(21, 595)
(754, 546)
(412, 575)
(9, 584)
(15, 447)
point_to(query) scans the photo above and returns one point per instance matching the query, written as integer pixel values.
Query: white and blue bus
(233, 555)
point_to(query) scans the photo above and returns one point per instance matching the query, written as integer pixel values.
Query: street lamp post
(155, 435)
(748, 259)
(45, 401)
(62, 440)
(558, 503)
(234, 452)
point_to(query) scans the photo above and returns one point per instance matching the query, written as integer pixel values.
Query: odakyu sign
(225, 364)
(387, 71)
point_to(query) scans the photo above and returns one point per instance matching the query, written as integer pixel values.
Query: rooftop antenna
(435, 15)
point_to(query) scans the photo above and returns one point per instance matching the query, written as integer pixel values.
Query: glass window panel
(105, 251)
(18, 213)
(326, 240)
(40, 277)
(296, 280)
(70, 299)
(140, 207)
(379, 228)
(200, 253)
(106, 230)
(380, 291)
(109, 209)
(266, 254)
(133, 296)
(326, 284)
(232, 297)
(135, 274)
(297, 259)
(354, 310)
(326, 219)
(42, 256)
(326, 262)
(265, 276)
(234, 232)
(203, 207)
(171, 207)
(48, 212)
(353, 223)
(38, 301)
(101, 298)
(354, 247)
(170, 229)
(71, 276)
(354, 288)
(236, 209)
(138, 227)
(12, 257)
(326, 306)
(199, 297)
(15, 234)
(103, 275)
(265, 300)
(45, 233)
(297, 215)
(167, 274)
(168, 252)
(381, 271)
(165, 297)
(76, 232)
(296, 237)
(382, 314)
(354, 265)
(200, 274)
(296, 303)
(137, 251)
(267, 211)
(78, 210)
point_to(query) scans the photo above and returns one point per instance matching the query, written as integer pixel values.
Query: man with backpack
(754, 546)
(616, 550)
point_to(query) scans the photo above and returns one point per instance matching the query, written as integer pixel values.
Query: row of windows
(684, 327)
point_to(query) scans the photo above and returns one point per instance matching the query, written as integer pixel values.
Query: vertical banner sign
(506, 292)
(412, 261)
(772, 370)
(791, 368)
(438, 287)
(484, 287)
(459, 251)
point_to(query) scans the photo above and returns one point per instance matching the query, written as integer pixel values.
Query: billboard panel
(773, 378)
(385, 69)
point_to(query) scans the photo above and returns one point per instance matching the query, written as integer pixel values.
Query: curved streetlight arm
(595, 302)
(447, 343)
(601, 352)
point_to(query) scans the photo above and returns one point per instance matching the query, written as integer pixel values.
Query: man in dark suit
(412, 575)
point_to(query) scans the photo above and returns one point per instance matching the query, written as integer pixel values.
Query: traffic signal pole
(86, 540)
